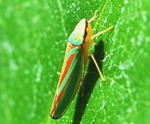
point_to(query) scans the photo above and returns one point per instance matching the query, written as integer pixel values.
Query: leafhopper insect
(75, 59)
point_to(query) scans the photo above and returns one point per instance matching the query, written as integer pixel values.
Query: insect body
(73, 67)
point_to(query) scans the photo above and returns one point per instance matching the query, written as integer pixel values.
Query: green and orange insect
(74, 66)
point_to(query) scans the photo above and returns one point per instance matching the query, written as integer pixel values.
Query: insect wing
(69, 81)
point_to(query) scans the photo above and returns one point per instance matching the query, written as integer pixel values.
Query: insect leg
(95, 15)
(98, 69)
(101, 32)
(59, 73)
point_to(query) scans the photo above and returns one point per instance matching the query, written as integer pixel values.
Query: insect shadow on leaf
(88, 83)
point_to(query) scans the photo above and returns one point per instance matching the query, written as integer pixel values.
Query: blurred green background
(33, 35)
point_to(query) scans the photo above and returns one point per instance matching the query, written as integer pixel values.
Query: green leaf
(33, 35)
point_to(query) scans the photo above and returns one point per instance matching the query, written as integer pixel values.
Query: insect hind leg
(98, 69)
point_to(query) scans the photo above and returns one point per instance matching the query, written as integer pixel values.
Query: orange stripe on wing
(68, 64)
